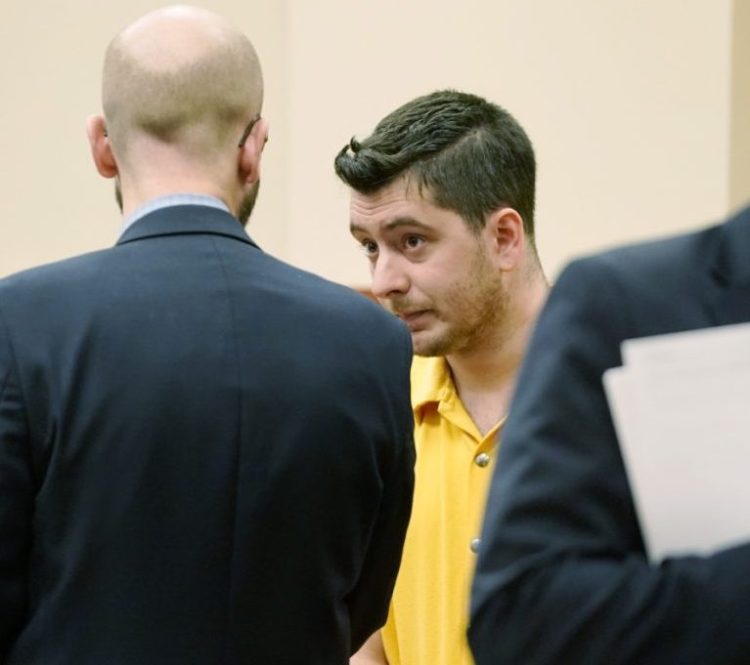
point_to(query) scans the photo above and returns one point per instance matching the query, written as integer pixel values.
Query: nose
(389, 276)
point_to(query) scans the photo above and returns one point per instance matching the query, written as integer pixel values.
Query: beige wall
(739, 164)
(628, 105)
(53, 204)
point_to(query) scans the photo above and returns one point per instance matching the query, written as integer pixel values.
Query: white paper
(705, 346)
(680, 407)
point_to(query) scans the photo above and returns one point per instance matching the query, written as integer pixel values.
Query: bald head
(180, 76)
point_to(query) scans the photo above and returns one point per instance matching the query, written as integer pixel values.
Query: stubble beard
(118, 194)
(475, 308)
(248, 203)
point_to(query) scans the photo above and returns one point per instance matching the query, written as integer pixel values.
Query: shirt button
(474, 545)
(483, 459)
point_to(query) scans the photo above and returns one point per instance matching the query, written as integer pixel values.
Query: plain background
(639, 112)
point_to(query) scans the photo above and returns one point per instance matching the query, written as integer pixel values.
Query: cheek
(470, 293)
(432, 278)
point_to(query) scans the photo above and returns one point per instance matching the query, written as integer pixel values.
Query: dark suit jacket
(205, 455)
(562, 574)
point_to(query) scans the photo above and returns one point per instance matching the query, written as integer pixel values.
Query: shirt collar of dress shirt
(169, 201)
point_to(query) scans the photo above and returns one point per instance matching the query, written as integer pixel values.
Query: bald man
(205, 454)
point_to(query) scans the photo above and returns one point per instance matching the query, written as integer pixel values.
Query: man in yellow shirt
(442, 203)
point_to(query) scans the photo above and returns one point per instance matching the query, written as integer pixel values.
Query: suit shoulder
(641, 289)
(52, 282)
(318, 295)
(56, 274)
(652, 262)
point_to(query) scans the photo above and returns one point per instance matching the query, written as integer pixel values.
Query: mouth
(415, 319)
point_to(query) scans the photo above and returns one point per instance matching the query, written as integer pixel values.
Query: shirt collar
(432, 386)
(169, 201)
(431, 382)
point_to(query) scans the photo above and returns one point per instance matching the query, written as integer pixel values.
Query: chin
(428, 345)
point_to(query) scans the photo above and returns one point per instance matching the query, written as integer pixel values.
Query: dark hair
(471, 155)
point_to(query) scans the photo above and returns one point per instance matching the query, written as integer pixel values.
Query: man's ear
(506, 237)
(101, 148)
(251, 151)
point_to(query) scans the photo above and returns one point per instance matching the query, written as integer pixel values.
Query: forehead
(398, 203)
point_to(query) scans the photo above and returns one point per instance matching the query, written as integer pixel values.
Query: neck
(137, 196)
(485, 375)
(161, 175)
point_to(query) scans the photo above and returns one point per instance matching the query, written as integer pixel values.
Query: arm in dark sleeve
(562, 576)
(16, 496)
(368, 602)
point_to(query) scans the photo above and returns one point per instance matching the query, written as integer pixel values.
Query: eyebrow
(393, 224)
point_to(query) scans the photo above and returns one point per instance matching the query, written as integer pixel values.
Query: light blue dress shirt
(169, 201)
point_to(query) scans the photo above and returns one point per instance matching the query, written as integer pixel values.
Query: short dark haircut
(470, 154)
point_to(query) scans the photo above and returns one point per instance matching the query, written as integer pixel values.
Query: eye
(413, 241)
(369, 248)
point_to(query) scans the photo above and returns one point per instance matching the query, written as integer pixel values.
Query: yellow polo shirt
(429, 611)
